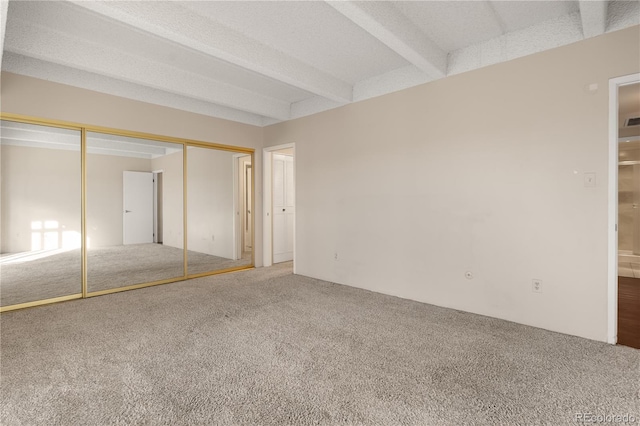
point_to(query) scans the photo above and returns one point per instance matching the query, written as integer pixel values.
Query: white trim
(612, 220)
(267, 223)
(155, 205)
(237, 221)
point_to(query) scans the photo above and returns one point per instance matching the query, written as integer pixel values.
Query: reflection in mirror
(134, 211)
(40, 254)
(219, 231)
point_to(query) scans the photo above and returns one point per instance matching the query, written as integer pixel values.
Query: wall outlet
(335, 256)
(536, 285)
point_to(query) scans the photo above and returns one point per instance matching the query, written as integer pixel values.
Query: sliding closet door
(41, 213)
(135, 230)
(121, 211)
(214, 216)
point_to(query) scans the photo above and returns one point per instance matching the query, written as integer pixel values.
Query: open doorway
(624, 282)
(138, 211)
(142, 207)
(157, 207)
(244, 209)
(279, 204)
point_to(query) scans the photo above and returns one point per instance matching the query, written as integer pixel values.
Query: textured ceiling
(264, 62)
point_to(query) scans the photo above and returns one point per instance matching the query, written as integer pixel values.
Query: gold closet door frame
(83, 128)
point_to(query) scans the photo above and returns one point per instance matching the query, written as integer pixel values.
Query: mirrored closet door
(40, 256)
(88, 211)
(218, 210)
(134, 211)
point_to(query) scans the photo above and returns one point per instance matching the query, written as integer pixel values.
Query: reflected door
(283, 208)
(138, 207)
(247, 202)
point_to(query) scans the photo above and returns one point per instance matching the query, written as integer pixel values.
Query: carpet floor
(59, 274)
(266, 347)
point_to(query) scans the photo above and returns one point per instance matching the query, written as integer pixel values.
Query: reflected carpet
(38, 276)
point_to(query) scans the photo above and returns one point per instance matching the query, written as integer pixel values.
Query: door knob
(127, 211)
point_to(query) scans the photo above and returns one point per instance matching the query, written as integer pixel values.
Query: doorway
(624, 197)
(279, 205)
(157, 207)
(138, 211)
(142, 215)
(243, 170)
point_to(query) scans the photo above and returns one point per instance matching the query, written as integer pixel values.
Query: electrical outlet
(335, 256)
(536, 285)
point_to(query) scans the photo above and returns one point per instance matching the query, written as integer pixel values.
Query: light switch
(589, 179)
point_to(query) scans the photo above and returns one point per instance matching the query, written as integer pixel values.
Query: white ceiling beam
(58, 48)
(57, 73)
(173, 22)
(594, 17)
(386, 23)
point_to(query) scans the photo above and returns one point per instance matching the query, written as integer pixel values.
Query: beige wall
(210, 202)
(480, 172)
(38, 185)
(41, 184)
(40, 98)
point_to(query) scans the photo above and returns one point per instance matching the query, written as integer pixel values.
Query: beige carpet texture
(266, 347)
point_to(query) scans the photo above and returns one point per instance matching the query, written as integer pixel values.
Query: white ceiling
(269, 61)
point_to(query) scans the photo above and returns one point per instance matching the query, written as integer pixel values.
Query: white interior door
(283, 208)
(138, 207)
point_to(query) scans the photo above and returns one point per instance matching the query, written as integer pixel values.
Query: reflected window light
(36, 241)
(36, 224)
(71, 240)
(51, 224)
(51, 240)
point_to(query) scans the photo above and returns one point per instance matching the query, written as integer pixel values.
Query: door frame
(237, 204)
(157, 226)
(247, 214)
(267, 207)
(612, 220)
